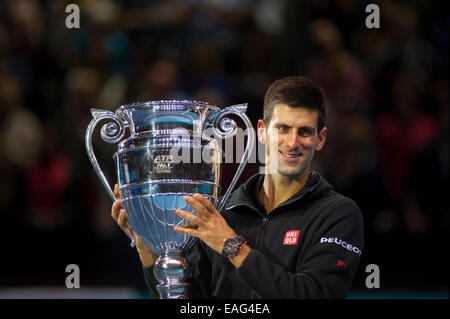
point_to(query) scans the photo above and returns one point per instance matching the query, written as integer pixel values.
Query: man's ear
(262, 131)
(322, 138)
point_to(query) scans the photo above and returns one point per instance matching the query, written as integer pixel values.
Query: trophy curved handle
(111, 132)
(226, 127)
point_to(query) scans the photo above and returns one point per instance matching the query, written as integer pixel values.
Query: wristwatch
(232, 245)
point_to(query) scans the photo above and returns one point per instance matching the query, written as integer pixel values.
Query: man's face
(291, 140)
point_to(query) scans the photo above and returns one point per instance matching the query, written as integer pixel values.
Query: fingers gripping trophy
(166, 156)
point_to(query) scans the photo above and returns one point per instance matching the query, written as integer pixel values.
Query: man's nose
(292, 140)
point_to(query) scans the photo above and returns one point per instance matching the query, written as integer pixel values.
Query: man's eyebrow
(281, 124)
(306, 127)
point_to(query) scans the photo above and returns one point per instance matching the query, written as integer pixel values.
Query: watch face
(228, 249)
(234, 241)
(231, 246)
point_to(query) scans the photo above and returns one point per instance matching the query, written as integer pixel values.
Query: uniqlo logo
(291, 237)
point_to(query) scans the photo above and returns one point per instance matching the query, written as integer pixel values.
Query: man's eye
(304, 132)
(282, 128)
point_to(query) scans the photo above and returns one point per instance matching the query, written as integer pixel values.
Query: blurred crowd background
(388, 101)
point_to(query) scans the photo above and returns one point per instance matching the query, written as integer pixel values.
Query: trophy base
(173, 291)
(170, 270)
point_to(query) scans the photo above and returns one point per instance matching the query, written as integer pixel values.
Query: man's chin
(291, 173)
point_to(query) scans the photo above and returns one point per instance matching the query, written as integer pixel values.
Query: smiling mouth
(291, 155)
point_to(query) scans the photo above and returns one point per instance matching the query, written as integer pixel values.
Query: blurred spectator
(47, 181)
(20, 127)
(427, 179)
(405, 129)
(160, 82)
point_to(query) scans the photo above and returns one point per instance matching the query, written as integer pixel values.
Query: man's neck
(277, 188)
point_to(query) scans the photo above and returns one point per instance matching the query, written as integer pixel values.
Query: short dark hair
(295, 91)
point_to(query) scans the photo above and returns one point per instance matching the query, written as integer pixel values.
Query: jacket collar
(248, 193)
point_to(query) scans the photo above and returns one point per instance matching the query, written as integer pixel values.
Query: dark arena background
(388, 99)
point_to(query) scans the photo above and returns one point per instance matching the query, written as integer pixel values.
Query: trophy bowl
(172, 151)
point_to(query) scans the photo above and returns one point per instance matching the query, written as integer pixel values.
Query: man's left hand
(209, 226)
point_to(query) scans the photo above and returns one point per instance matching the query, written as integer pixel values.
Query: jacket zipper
(261, 232)
(259, 238)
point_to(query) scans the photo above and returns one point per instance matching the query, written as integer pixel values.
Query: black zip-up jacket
(307, 247)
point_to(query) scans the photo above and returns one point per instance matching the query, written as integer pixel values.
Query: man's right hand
(147, 257)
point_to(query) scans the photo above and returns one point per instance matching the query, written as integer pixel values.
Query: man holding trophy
(282, 234)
